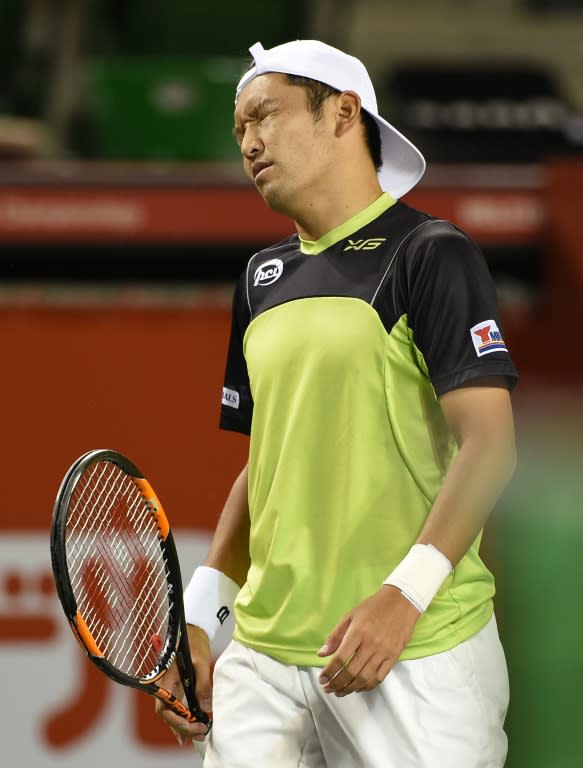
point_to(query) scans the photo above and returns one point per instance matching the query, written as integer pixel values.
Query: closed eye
(255, 114)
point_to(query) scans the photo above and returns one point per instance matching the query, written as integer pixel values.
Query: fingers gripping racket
(118, 577)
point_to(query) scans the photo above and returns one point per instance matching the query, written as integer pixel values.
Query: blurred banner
(113, 206)
(138, 372)
(59, 709)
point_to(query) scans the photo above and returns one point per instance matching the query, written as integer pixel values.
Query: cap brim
(402, 163)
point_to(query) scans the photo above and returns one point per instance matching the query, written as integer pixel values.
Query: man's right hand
(201, 660)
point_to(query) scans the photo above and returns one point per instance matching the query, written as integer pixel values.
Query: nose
(251, 145)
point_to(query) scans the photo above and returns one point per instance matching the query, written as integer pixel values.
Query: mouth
(258, 167)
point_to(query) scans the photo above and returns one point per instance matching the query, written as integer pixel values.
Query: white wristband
(420, 574)
(209, 599)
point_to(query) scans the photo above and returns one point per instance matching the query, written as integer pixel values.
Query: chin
(278, 202)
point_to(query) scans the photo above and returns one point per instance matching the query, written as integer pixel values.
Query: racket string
(117, 568)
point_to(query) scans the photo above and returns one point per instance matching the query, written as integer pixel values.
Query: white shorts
(442, 711)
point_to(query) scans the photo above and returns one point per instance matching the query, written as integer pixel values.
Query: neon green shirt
(336, 361)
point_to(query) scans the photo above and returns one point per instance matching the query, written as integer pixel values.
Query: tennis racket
(118, 577)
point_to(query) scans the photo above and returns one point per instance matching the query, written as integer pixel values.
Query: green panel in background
(163, 109)
(540, 584)
(189, 27)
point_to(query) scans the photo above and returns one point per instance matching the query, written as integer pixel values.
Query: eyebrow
(263, 106)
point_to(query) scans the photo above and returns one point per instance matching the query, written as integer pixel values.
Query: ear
(347, 111)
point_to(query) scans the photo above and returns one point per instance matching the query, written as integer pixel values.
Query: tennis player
(368, 365)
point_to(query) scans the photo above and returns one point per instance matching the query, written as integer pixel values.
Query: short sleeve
(236, 401)
(453, 310)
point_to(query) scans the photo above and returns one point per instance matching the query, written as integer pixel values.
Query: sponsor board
(60, 710)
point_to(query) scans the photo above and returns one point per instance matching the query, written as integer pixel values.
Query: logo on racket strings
(159, 669)
(268, 272)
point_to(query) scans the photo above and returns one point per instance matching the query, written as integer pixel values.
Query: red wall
(146, 382)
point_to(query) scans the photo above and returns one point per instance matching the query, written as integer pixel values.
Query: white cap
(402, 163)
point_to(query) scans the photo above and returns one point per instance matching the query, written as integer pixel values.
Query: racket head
(117, 575)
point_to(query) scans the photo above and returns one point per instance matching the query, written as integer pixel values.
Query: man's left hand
(367, 642)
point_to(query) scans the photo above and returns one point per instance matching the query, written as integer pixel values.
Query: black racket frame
(176, 644)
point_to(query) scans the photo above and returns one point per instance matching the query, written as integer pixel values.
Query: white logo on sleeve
(230, 397)
(268, 272)
(487, 338)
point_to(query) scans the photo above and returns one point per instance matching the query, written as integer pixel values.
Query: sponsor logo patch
(268, 272)
(364, 245)
(230, 398)
(487, 338)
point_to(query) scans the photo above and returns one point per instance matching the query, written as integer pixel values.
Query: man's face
(286, 152)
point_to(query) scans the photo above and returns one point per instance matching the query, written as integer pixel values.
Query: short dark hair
(317, 93)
